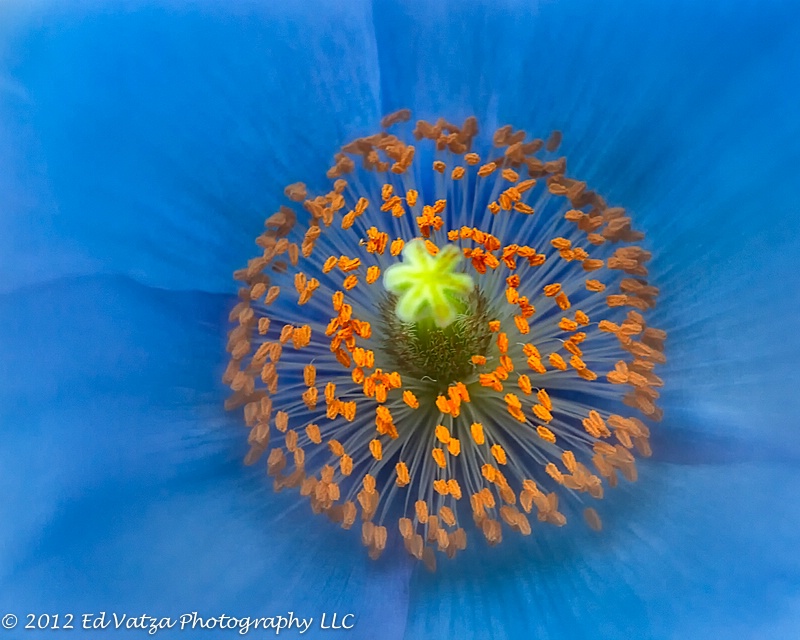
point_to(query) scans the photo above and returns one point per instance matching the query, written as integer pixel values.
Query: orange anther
(577, 363)
(313, 433)
(476, 430)
(500, 373)
(396, 247)
(406, 527)
(376, 449)
(410, 399)
(542, 413)
(525, 185)
(447, 516)
(421, 508)
(309, 397)
(438, 166)
(524, 383)
(457, 173)
(502, 342)
(431, 248)
(296, 192)
(373, 273)
(438, 456)
(272, 294)
(552, 290)
(286, 333)
(440, 487)
(486, 497)
(535, 364)
(348, 220)
(369, 483)
(487, 169)
(557, 361)
(301, 336)
(258, 290)
(499, 454)
(489, 472)
(568, 458)
(342, 358)
(513, 194)
(595, 285)
(454, 446)
(391, 203)
(544, 398)
(349, 264)
(346, 464)
(336, 448)
(329, 264)
(338, 300)
(472, 159)
(554, 473)
(453, 488)
(403, 477)
(607, 326)
(567, 325)
(523, 208)
(545, 434)
(563, 301)
(361, 206)
(590, 264)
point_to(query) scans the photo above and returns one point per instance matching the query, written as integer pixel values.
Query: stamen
(415, 328)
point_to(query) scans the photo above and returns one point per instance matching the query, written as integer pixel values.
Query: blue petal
(702, 551)
(680, 112)
(153, 139)
(123, 484)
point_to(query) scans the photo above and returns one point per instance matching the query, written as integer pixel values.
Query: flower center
(451, 360)
(440, 355)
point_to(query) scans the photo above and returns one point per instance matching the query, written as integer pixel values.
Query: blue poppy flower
(144, 144)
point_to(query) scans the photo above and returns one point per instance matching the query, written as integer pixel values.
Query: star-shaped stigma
(426, 285)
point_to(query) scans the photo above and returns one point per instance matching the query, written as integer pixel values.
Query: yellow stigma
(464, 356)
(427, 285)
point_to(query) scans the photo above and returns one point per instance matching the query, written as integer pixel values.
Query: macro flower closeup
(422, 319)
